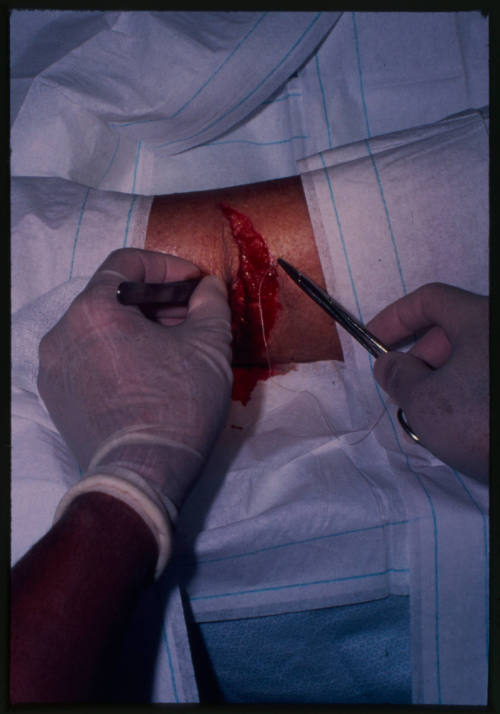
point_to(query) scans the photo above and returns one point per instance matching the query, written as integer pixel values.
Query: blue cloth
(350, 654)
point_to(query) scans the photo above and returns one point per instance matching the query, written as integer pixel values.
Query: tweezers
(175, 293)
(371, 343)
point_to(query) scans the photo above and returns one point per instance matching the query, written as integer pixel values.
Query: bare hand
(442, 383)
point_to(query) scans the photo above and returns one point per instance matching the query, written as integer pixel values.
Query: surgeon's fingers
(429, 305)
(399, 374)
(207, 303)
(433, 347)
(209, 300)
(168, 315)
(143, 266)
(99, 299)
(209, 314)
(97, 306)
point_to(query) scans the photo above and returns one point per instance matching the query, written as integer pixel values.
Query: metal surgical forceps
(374, 346)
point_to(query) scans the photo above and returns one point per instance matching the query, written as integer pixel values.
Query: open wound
(253, 298)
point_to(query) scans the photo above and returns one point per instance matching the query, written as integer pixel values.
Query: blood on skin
(253, 298)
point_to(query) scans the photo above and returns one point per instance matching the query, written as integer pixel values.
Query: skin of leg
(193, 226)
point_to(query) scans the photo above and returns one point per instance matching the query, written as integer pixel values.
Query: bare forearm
(71, 595)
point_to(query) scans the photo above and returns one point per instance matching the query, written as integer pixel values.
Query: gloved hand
(134, 397)
(442, 383)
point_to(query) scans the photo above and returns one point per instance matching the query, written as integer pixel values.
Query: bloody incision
(253, 299)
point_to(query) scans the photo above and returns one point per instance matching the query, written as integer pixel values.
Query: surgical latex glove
(442, 383)
(133, 397)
